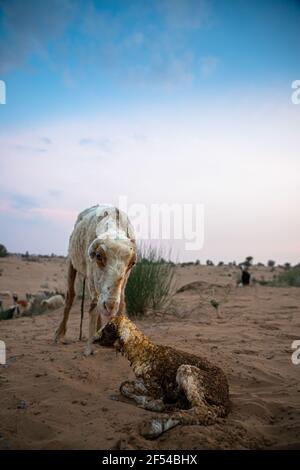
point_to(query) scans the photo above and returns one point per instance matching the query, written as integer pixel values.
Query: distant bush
(3, 251)
(150, 283)
(284, 279)
(288, 278)
(29, 257)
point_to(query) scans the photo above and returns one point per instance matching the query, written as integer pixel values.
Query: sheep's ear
(92, 249)
(96, 251)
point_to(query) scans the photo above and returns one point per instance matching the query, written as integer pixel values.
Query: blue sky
(104, 95)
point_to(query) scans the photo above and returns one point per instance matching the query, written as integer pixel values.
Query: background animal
(53, 302)
(102, 249)
(246, 276)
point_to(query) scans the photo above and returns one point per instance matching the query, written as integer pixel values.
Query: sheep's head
(112, 333)
(113, 260)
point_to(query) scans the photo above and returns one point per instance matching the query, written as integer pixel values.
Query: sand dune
(52, 397)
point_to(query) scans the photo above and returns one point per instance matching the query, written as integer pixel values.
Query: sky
(184, 102)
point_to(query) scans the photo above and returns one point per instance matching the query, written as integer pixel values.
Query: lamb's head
(112, 260)
(121, 330)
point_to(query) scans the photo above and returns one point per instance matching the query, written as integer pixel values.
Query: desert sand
(52, 397)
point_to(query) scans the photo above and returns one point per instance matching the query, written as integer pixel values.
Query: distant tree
(197, 262)
(221, 263)
(3, 251)
(209, 263)
(271, 263)
(287, 266)
(233, 263)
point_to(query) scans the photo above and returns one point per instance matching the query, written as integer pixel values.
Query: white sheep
(53, 302)
(102, 249)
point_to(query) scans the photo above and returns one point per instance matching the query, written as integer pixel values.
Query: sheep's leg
(93, 318)
(137, 391)
(122, 308)
(192, 383)
(99, 324)
(61, 331)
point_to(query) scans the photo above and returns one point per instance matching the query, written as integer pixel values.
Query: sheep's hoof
(60, 338)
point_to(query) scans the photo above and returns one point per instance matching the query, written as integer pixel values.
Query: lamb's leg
(93, 318)
(137, 391)
(191, 381)
(61, 331)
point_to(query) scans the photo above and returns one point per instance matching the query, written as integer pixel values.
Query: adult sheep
(102, 249)
(56, 301)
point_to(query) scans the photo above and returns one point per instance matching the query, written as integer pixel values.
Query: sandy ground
(52, 397)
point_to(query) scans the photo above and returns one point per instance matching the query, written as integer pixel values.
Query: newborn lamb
(170, 380)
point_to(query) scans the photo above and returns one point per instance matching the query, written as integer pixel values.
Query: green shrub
(150, 283)
(289, 278)
(284, 279)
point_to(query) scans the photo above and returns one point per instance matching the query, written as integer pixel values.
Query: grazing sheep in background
(102, 249)
(24, 307)
(54, 302)
(169, 378)
(12, 312)
(8, 299)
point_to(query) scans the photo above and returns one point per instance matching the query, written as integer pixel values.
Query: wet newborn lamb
(167, 378)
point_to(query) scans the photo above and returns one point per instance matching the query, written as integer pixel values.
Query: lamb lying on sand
(168, 379)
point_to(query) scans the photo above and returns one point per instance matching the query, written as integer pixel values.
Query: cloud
(105, 144)
(55, 193)
(185, 14)
(209, 65)
(55, 214)
(27, 27)
(20, 201)
(46, 140)
(17, 202)
(144, 43)
(29, 148)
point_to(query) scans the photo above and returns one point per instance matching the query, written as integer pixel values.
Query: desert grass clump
(150, 284)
